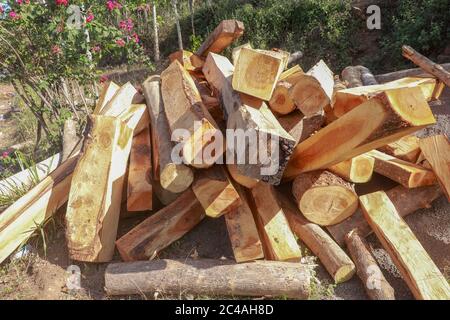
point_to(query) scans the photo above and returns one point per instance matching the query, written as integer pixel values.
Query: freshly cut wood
(375, 284)
(281, 102)
(108, 92)
(136, 117)
(418, 270)
(119, 102)
(333, 258)
(209, 277)
(215, 192)
(278, 240)
(241, 179)
(94, 203)
(237, 50)
(393, 114)
(222, 37)
(313, 90)
(278, 53)
(405, 200)
(367, 77)
(173, 177)
(259, 127)
(300, 127)
(187, 59)
(71, 141)
(158, 231)
(407, 148)
(358, 169)
(242, 231)
(408, 174)
(415, 72)
(426, 64)
(348, 99)
(292, 74)
(256, 73)
(324, 198)
(185, 110)
(436, 150)
(31, 211)
(163, 195)
(139, 189)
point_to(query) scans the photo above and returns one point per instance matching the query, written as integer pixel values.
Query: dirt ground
(42, 275)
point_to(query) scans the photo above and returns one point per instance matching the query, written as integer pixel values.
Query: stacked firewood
(329, 134)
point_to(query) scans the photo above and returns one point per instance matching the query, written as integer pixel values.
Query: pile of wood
(332, 133)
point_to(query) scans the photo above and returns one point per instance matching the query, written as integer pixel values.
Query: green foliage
(196, 42)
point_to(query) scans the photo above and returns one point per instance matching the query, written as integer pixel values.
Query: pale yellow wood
(407, 148)
(120, 101)
(237, 50)
(358, 169)
(108, 92)
(418, 270)
(245, 181)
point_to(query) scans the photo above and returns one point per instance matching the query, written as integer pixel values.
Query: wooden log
(415, 265)
(329, 112)
(163, 195)
(407, 148)
(300, 127)
(292, 74)
(426, 64)
(375, 284)
(241, 179)
(237, 50)
(185, 110)
(414, 72)
(278, 240)
(187, 59)
(136, 117)
(108, 92)
(333, 258)
(408, 174)
(209, 277)
(173, 177)
(324, 198)
(393, 114)
(358, 169)
(277, 53)
(367, 77)
(31, 211)
(139, 186)
(92, 217)
(281, 103)
(242, 231)
(256, 73)
(313, 91)
(119, 102)
(223, 35)
(436, 150)
(155, 233)
(405, 200)
(294, 57)
(215, 192)
(348, 99)
(352, 76)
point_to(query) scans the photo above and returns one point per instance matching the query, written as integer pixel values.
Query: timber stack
(165, 156)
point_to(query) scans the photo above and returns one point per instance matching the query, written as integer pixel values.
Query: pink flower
(13, 15)
(95, 49)
(5, 154)
(90, 17)
(1, 9)
(103, 79)
(136, 37)
(62, 2)
(120, 42)
(56, 49)
(112, 4)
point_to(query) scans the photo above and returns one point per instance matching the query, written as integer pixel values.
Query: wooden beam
(324, 198)
(436, 150)
(299, 126)
(291, 75)
(242, 231)
(408, 174)
(119, 102)
(237, 50)
(279, 241)
(393, 114)
(405, 200)
(223, 36)
(375, 284)
(155, 233)
(256, 73)
(139, 188)
(207, 277)
(173, 177)
(31, 211)
(406, 148)
(358, 169)
(215, 192)
(414, 72)
(108, 91)
(427, 65)
(333, 258)
(418, 270)
(187, 59)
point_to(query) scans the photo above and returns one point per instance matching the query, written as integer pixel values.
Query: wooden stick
(427, 65)
(392, 117)
(222, 36)
(406, 148)
(209, 277)
(333, 258)
(375, 284)
(415, 72)
(418, 270)
(71, 141)
(436, 150)
(358, 169)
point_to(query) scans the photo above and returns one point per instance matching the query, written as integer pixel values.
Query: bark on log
(357, 170)
(406, 201)
(391, 117)
(209, 277)
(222, 36)
(300, 127)
(241, 179)
(324, 198)
(415, 72)
(406, 148)
(375, 284)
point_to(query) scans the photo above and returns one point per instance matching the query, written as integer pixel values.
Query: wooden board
(393, 114)
(436, 150)
(120, 101)
(222, 36)
(418, 270)
(108, 91)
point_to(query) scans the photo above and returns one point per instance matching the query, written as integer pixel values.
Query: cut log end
(280, 102)
(176, 178)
